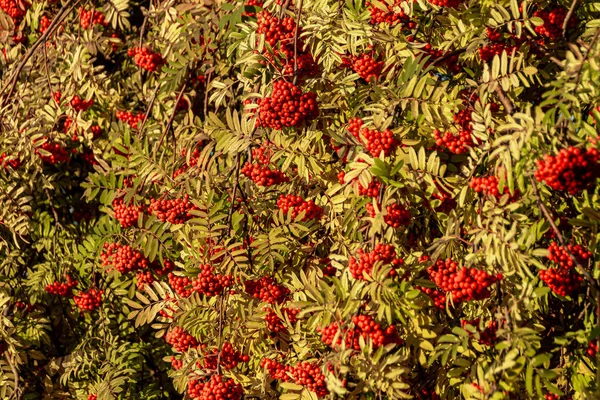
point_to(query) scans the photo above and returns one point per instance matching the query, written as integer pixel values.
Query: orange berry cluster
(464, 284)
(288, 106)
(123, 258)
(146, 58)
(455, 144)
(144, 278)
(130, 118)
(384, 253)
(13, 9)
(397, 216)
(553, 22)
(180, 340)
(90, 300)
(559, 254)
(391, 17)
(230, 358)
(267, 289)
(175, 211)
(374, 141)
(89, 18)
(304, 373)
(299, 205)
(488, 335)
(365, 327)
(366, 67)
(216, 388)
(81, 105)
(209, 283)
(259, 170)
(275, 324)
(488, 185)
(182, 285)
(126, 215)
(571, 169)
(61, 289)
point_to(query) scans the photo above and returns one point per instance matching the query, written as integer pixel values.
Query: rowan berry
(90, 300)
(126, 215)
(298, 205)
(146, 58)
(364, 262)
(180, 340)
(571, 169)
(266, 289)
(175, 211)
(216, 388)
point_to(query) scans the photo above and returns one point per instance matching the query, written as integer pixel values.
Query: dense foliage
(299, 199)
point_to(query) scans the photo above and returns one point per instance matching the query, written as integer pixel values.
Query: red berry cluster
(144, 278)
(80, 105)
(391, 17)
(176, 363)
(288, 106)
(456, 144)
(252, 3)
(438, 297)
(592, 348)
(559, 255)
(267, 289)
(175, 211)
(374, 141)
(365, 327)
(13, 9)
(61, 289)
(445, 3)
(193, 160)
(123, 258)
(181, 285)
(299, 205)
(126, 215)
(89, 18)
(275, 324)
(397, 216)
(571, 169)
(328, 269)
(562, 281)
(92, 397)
(230, 358)
(217, 388)
(304, 373)
(180, 340)
(553, 22)
(365, 262)
(487, 53)
(130, 118)
(146, 58)
(488, 185)
(488, 335)
(7, 161)
(58, 154)
(465, 284)
(69, 123)
(44, 23)
(263, 175)
(209, 283)
(372, 190)
(366, 67)
(90, 300)
(449, 61)
(493, 35)
(276, 30)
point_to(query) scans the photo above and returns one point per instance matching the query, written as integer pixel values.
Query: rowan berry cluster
(123, 258)
(81, 105)
(194, 157)
(366, 67)
(364, 262)
(61, 289)
(397, 215)
(180, 340)
(130, 118)
(126, 215)
(326, 267)
(70, 123)
(365, 327)
(146, 58)
(304, 373)
(182, 285)
(391, 17)
(13, 9)
(216, 388)
(374, 141)
(592, 349)
(44, 23)
(89, 18)
(58, 154)
(298, 206)
(176, 363)
(175, 211)
(209, 283)
(267, 289)
(437, 296)
(288, 106)
(144, 278)
(230, 358)
(572, 169)
(90, 300)
(488, 185)
(6, 161)
(252, 3)
(455, 144)
(487, 336)
(487, 53)
(446, 3)
(553, 22)
(263, 175)
(464, 284)
(372, 190)
(560, 255)
(275, 324)
(276, 30)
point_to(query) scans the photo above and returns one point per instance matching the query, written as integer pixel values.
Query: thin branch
(296, 42)
(561, 239)
(568, 17)
(448, 55)
(234, 194)
(587, 55)
(508, 106)
(172, 117)
(220, 338)
(154, 93)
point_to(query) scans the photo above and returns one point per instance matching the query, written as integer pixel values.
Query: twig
(296, 42)
(561, 239)
(12, 83)
(141, 125)
(587, 55)
(568, 17)
(56, 220)
(220, 338)
(234, 194)
(172, 117)
(505, 100)
(17, 393)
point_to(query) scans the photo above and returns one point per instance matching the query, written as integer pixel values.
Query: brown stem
(568, 17)
(296, 42)
(508, 106)
(172, 117)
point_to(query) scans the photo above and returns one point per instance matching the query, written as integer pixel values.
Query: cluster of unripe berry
(457, 144)
(275, 324)
(488, 185)
(89, 18)
(365, 66)
(287, 106)
(216, 388)
(90, 300)
(306, 374)
(267, 289)
(176, 211)
(130, 118)
(180, 340)
(146, 59)
(364, 326)
(572, 169)
(464, 284)
(298, 205)
(209, 283)
(391, 17)
(259, 170)
(374, 141)
(487, 336)
(61, 289)
(364, 262)
(554, 19)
